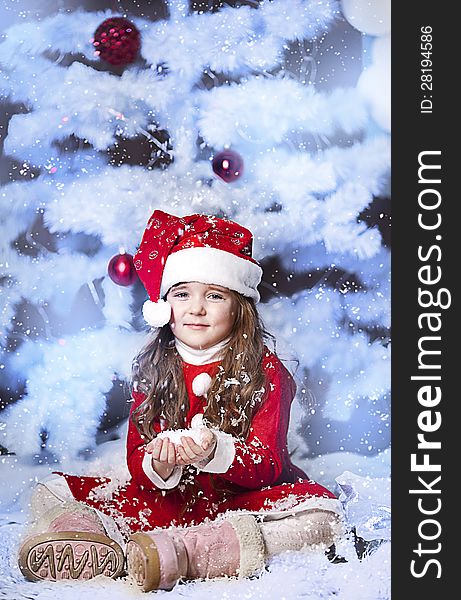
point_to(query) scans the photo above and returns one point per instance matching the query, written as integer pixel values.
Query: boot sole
(143, 562)
(68, 555)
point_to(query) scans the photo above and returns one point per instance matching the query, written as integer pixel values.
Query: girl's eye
(216, 297)
(180, 294)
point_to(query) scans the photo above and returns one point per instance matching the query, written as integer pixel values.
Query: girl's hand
(163, 456)
(190, 452)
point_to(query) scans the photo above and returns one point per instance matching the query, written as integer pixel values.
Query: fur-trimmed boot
(228, 547)
(69, 542)
(236, 545)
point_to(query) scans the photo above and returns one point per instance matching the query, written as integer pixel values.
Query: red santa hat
(199, 248)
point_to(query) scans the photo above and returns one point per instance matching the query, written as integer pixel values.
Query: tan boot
(236, 545)
(228, 547)
(69, 542)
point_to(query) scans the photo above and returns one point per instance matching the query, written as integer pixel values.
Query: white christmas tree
(204, 83)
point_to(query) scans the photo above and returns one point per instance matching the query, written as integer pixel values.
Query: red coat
(260, 478)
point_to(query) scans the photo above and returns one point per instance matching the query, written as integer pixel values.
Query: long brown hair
(157, 372)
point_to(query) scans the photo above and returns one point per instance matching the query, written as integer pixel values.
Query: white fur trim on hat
(156, 313)
(210, 265)
(201, 384)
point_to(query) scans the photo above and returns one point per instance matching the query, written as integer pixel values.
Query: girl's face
(202, 314)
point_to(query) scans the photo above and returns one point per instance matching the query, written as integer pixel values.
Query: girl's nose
(197, 306)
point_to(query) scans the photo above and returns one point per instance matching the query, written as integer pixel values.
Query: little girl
(213, 491)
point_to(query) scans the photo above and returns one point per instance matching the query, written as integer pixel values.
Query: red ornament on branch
(121, 269)
(228, 165)
(117, 41)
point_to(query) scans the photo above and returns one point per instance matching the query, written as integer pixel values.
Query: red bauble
(228, 165)
(117, 41)
(121, 269)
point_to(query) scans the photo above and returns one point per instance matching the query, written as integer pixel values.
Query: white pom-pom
(197, 421)
(156, 313)
(201, 384)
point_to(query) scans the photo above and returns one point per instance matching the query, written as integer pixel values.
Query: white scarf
(202, 356)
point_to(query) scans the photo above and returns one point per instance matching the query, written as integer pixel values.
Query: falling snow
(291, 575)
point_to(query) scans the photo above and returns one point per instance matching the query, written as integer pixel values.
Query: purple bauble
(228, 165)
(121, 269)
(117, 41)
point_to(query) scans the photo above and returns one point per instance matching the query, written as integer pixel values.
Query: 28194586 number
(426, 68)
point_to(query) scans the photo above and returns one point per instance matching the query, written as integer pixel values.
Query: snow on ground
(289, 576)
